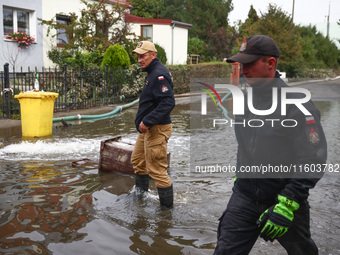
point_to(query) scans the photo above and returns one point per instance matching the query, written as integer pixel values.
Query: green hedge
(182, 74)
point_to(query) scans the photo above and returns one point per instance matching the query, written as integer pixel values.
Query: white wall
(49, 10)
(9, 50)
(180, 46)
(163, 36)
(36, 55)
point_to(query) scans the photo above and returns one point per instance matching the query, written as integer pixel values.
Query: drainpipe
(179, 24)
(172, 43)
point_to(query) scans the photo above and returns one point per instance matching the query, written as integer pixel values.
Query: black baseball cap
(253, 48)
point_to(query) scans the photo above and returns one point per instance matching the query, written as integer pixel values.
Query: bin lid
(37, 95)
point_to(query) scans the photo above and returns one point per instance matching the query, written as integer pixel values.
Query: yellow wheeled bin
(36, 113)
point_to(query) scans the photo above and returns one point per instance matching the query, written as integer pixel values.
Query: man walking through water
(153, 122)
(275, 207)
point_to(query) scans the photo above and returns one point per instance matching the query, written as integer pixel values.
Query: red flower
(22, 38)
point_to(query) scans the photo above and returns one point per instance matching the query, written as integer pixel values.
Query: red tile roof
(122, 2)
(135, 19)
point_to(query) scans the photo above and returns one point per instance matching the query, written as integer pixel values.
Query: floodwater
(47, 206)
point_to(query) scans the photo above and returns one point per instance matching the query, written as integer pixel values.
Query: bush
(14, 104)
(76, 58)
(183, 73)
(292, 70)
(85, 60)
(161, 54)
(115, 56)
(197, 46)
(58, 56)
(133, 85)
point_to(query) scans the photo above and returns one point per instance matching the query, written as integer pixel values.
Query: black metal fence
(77, 88)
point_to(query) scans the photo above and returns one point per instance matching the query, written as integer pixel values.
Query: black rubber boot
(166, 196)
(142, 182)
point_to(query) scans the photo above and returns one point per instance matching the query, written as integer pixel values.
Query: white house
(170, 34)
(23, 15)
(58, 9)
(20, 16)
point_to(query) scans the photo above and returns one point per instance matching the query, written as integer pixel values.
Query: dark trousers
(238, 231)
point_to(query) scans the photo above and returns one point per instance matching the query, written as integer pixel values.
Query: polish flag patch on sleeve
(160, 78)
(164, 89)
(310, 120)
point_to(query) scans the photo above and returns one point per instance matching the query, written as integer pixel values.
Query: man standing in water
(153, 122)
(275, 207)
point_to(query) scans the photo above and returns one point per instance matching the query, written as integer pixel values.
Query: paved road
(323, 90)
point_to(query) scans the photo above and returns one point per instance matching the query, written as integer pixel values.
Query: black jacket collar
(151, 66)
(266, 89)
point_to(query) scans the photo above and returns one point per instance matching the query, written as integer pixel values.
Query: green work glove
(276, 220)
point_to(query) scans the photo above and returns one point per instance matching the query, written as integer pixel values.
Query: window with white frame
(17, 20)
(147, 32)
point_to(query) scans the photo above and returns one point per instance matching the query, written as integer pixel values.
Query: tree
(327, 51)
(161, 54)
(309, 50)
(147, 8)
(13, 56)
(196, 46)
(207, 16)
(251, 19)
(317, 50)
(278, 25)
(243, 28)
(339, 25)
(173, 9)
(300, 47)
(221, 43)
(210, 24)
(99, 25)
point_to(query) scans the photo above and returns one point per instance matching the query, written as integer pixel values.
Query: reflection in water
(37, 172)
(46, 199)
(49, 207)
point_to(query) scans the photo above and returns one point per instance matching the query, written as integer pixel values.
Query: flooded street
(47, 206)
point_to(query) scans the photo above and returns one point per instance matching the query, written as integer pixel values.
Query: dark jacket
(157, 99)
(274, 145)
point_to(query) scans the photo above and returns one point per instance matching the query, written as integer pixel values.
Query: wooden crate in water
(115, 155)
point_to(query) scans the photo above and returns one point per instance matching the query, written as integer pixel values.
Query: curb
(296, 83)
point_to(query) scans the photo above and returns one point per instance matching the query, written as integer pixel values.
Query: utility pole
(293, 11)
(329, 11)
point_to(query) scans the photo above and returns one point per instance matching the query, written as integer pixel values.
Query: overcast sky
(305, 11)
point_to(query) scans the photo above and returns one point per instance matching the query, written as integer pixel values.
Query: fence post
(107, 83)
(6, 91)
(65, 85)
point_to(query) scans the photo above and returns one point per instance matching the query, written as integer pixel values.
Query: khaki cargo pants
(150, 154)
